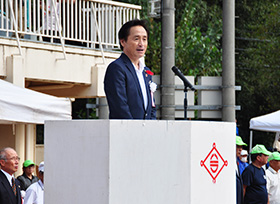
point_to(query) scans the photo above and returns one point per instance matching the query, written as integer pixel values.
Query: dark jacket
(7, 195)
(25, 182)
(239, 188)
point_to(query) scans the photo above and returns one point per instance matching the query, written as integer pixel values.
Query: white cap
(244, 152)
(41, 167)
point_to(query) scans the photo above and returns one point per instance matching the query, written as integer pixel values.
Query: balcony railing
(89, 23)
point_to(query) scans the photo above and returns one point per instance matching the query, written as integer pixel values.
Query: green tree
(197, 37)
(257, 62)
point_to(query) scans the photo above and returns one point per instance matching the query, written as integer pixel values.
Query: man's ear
(2, 162)
(122, 41)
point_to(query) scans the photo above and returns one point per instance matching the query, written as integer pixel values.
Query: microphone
(182, 77)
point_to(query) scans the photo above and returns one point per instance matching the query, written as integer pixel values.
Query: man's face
(263, 159)
(29, 170)
(11, 163)
(243, 158)
(275, 164)
(136, 44)
(238, 150)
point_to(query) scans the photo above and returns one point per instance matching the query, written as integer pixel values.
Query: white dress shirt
(273, 185)
(139, 73)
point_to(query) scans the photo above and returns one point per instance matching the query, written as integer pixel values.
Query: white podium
(139, 162)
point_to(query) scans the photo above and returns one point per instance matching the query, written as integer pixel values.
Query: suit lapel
(5, 183)
(18, 192)
(147, 79)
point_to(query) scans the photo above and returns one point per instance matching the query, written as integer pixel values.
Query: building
(57, 48)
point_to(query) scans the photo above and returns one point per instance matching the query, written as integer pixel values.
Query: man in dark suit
(9, 187)
(128, 83)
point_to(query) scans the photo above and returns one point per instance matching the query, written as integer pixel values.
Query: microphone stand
(185, 102)
(186, 85)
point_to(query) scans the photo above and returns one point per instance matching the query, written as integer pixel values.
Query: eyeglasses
(14, 158)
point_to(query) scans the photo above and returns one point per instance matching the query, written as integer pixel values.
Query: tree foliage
(257, 61)
(197, 37)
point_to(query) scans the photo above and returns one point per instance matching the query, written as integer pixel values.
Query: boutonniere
(153, 88)
(148, 72)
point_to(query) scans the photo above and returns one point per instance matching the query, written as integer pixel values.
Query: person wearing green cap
(27, 178)
(254, 178)
(239, 182)
(273, 178)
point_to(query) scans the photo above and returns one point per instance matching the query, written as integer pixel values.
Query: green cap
(239, 141)
(260, 149)
(274, 156)
(28, 162)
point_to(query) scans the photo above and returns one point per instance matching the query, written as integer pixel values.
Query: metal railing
(88, 23)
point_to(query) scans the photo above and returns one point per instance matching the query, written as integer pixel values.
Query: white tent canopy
(26, 106)
(269, 122)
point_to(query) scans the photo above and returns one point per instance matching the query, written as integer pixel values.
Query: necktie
(14, 186)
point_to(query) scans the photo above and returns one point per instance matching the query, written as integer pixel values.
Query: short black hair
(254, 156)
(125, 29)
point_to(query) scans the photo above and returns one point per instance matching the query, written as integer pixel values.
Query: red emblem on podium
(214, 163)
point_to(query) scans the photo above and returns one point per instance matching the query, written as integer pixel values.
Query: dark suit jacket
(239, 188)
(7, 195)
(124, 93)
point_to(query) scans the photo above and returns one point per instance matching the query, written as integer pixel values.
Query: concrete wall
(42, 68)
(137, 162)
(210, 97)
(39, 154)
(7, 138)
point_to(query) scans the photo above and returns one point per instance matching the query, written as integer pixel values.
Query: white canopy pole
(250, 143)
(276, 143)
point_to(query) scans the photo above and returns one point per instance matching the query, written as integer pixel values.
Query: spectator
(35, 192)
(239, 183)
(254, 179)
(9, 190)
(51, 25)
(242, 160)
(273, 178)
(27, 178)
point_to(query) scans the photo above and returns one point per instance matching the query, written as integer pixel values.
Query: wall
(39, 154)
(7, 138)
(136, 162)
(43, 68)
